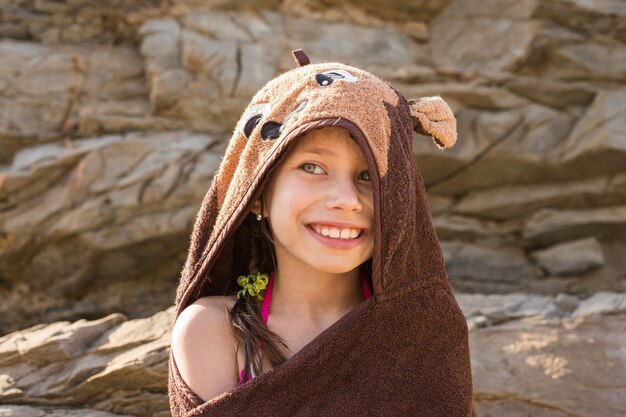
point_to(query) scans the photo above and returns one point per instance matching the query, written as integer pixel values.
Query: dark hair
(245, 315)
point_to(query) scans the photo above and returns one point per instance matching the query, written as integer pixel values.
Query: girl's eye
(310, 168)
(366, 176)
(315, 169)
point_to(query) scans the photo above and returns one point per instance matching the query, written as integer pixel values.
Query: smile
(354, 237)
(336, 232)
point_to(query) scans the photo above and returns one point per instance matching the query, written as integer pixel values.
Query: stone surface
(566, 302)
(525, 348)
(49, 92)
(494, 309)
(599, 17)
(547, 226)
(603, 302)
(515, 201)
(554, 93)
(488, 269)
(520, 144)
(460, 32)
(49, 21)
(368, 11)
(609, 277)
(571, 257)
(100, 224)
(204, 69)
(598, 141)
(551, 367)
(28, 411)
(105, 366)
(469, 229)
(582, 61)
(467, 95)
(114, 114)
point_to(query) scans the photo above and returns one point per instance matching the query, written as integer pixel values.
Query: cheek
(289, 196)
(287, 204)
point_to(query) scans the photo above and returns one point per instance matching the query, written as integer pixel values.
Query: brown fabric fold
(405, 350)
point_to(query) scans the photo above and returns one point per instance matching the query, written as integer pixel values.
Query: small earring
(259, 217)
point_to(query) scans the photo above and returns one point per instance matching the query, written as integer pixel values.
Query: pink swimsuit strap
(267, 302)
(267, 299)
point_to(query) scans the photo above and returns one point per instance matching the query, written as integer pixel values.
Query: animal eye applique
(253, 116)
(270, 130)
(251, 124)
(328, 77)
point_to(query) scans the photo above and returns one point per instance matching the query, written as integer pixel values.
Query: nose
(344, 194)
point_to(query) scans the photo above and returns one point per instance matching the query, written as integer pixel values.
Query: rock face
(96, 226)
(108, 367)
(108, 149)
(549, 368)
(114, 116)
(525, 350)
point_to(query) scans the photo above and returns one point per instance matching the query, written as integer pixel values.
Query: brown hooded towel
(402, 352)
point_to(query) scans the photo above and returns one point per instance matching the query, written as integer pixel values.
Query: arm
(204, 349)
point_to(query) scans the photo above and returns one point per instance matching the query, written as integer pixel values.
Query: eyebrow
(319, 151)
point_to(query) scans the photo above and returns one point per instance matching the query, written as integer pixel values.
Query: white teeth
(336, 233)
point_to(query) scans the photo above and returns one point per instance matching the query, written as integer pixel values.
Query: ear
(256, 207)
(433, 117)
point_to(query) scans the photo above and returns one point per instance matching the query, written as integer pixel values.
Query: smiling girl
(319, 210)
(315, 284)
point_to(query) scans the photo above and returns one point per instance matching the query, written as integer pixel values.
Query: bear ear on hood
(433, 117)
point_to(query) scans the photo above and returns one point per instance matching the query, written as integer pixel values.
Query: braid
(245, 314)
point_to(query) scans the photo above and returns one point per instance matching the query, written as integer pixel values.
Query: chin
(335, 268)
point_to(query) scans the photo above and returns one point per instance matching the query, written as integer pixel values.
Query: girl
(314, 283)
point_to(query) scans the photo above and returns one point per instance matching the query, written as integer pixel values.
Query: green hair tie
(252, 284)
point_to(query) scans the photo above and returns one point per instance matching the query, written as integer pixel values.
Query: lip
(337, 243)
(340, 225)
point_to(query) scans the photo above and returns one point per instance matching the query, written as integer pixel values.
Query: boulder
(571, 258)
(494, 309)
(489, 269)
(549, 226)
(603, 302)
(105, 366)
(550, 367)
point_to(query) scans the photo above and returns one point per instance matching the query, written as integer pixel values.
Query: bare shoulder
(204, 347)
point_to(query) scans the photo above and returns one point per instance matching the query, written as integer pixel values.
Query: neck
(315, 296)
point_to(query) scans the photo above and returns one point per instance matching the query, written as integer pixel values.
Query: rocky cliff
(114, 116)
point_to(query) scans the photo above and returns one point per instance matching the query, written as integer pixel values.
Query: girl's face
(319, 203)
